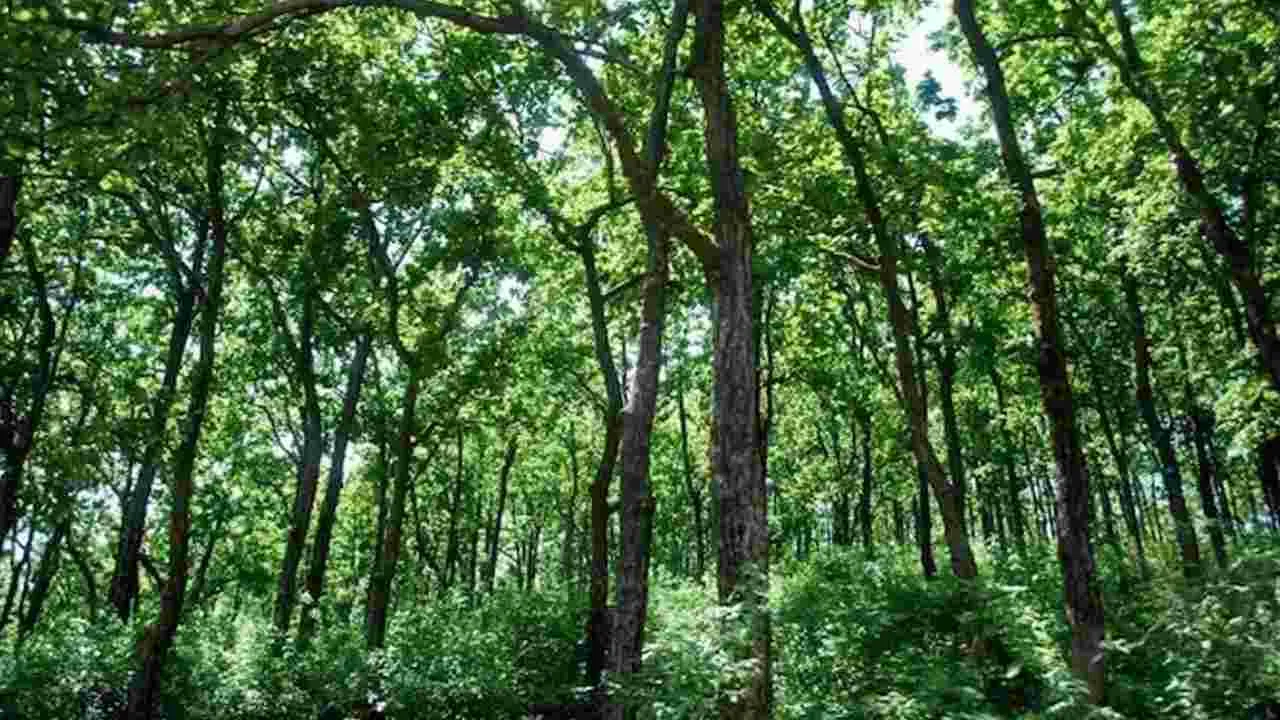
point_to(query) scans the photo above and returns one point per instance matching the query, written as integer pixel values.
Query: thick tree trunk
(494, 538)
(1170, 473)
(1075, 552)
(384, 570)
(333, 487)
(154, 648)
(743, 566)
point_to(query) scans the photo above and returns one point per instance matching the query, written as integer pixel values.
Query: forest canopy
(639, 359)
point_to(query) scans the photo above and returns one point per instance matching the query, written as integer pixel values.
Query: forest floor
(854, 638)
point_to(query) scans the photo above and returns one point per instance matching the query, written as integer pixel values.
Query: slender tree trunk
(495, 533)
(638, 504)
(1184, 528)
(1128, 504)
(385, 569)
(864, 506)
(380, 489)
(950, 494)
(1214, 223)
(333, 487)
(18, 431)
(1013, 486)
(17, 571)
(89, 575)
(924, 524)
(453, 550)
(692, 490)
(1075, 552)
(1202, 423)
(309, 465)
(45, 573)
(154, 648)
(124, 582)
(10, 189)
(568, 518)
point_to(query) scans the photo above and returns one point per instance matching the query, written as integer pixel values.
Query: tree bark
(1075, 552)
(743, 566)
(1170, 473)
(45, 573)
(154, 648)
(1017, 518)
(333, 487)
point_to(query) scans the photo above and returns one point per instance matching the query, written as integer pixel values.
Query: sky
(916, 57)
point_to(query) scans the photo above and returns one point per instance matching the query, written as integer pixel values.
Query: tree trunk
(950, 495)
(864, 505)
(380, 489)
(568, 518)
(1202, 424)
(1017, 520)
(1269, 477)
(10, 189)
(124, 581)
(1213, 219)
(453, 550)
(312, 453)
(1075, 552)
(44, 576)
(333, 487)
(385, 569)
(743, 566)
(495, 533)
(692, 490)
(1184, 528)
(636, 516)
(154, 648)
(1128, 503)
(18, 431)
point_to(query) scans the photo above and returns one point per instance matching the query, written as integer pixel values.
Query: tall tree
(1075, 549)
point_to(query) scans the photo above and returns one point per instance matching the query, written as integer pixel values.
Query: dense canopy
(639, 359)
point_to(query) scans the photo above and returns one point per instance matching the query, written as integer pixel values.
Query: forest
(639, 359)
